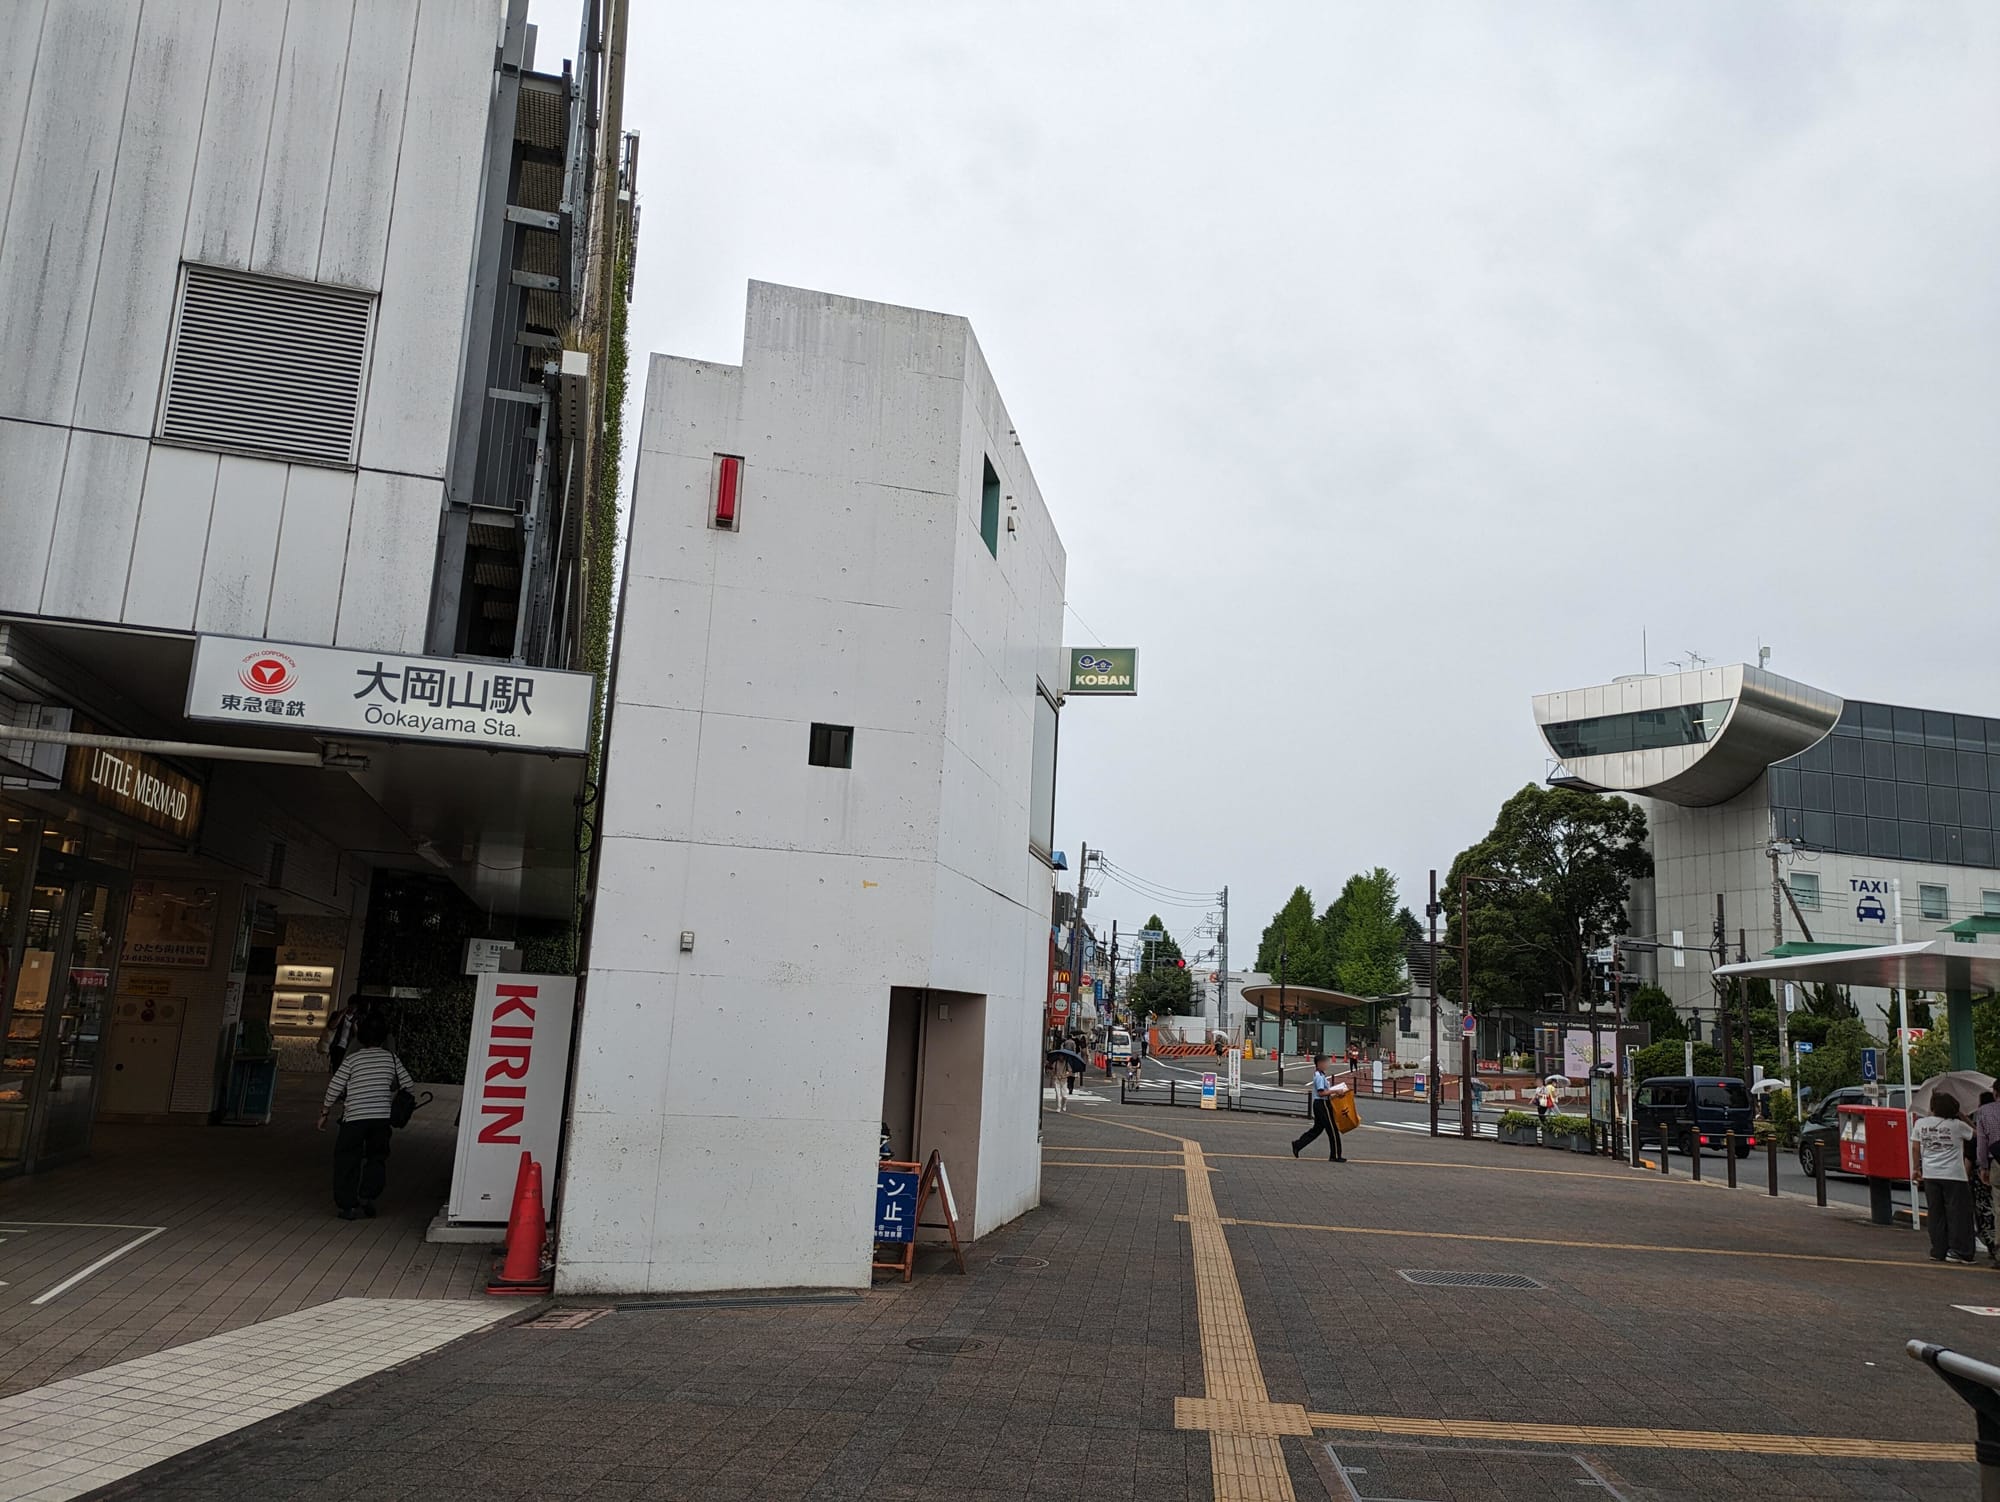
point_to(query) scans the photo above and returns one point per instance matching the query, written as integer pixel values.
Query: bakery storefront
(73, 822)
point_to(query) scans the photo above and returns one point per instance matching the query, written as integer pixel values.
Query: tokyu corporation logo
(268, 672)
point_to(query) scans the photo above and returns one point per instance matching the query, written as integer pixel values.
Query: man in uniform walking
(1322, 1113)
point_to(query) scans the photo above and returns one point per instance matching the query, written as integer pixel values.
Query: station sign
(1104, 670)
(502, 706)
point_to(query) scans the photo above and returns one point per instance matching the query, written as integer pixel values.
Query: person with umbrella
(1065, 1066)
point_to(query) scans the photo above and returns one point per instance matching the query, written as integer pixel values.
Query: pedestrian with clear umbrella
(1322, 1113)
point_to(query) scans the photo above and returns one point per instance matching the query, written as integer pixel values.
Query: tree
(1558, 866)
(1163, 986)
(1291, 943)
(1655, 1008)
(1369, 960)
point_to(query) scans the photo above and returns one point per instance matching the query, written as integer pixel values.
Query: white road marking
(81, 1225)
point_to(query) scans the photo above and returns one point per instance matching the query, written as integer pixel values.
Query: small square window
(1805, 890)
(831, 746)
(1989, 904)
(1931, 901)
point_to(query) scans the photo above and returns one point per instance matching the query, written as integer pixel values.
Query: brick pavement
(1656, 1367)
(245, 1232)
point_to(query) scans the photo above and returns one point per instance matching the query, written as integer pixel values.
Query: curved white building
(1751, 780)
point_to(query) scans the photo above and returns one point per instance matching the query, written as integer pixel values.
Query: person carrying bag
(377, 1089)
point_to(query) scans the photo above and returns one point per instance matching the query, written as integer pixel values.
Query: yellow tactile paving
(1244, 1467)
(1599, 1246)
(1822, 1446)
(1221, 1416)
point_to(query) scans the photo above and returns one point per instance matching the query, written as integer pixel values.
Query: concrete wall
(338, 141)
(727, 1099)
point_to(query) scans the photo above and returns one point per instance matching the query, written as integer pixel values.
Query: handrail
(1977, 1382)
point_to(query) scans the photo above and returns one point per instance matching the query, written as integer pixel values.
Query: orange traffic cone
(521, 1269)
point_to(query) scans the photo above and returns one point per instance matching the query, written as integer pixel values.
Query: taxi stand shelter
(1956, 968)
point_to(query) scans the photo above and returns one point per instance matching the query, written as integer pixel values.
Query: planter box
(1521, 1136)
(1581, 1145)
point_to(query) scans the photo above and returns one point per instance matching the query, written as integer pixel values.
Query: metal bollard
(1771, 1162)
(1173, 1091)
(1663, 1153)
(1694, 1154)
(1819, 1174)
(1729, 1152)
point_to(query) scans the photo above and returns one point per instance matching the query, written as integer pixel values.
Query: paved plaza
(1193, 1313)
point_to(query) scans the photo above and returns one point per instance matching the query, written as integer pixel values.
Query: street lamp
(1281, 1011)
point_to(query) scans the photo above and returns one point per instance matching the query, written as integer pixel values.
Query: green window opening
(989, 510)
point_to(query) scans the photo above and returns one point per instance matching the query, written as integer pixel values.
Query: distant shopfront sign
(1104, 670)
(444, 699)
(132, 783)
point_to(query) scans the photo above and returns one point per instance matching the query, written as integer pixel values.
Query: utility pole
(1222, 1008)
(1281, 1011)
(1113, 1001)
(1743, 997)
(1432, 911)
(1783, 1001)
(1465, 1010)
(1722, 1017)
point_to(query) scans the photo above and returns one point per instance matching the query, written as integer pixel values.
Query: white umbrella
(1963, 1085)
(1765, 1087)
(1556, 1079)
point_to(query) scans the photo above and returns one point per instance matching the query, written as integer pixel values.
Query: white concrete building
(824, 888)
(1799, 810)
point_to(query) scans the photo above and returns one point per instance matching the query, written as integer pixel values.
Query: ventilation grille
(267, 367)
(1427, 1279)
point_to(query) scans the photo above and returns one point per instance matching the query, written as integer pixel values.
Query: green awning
(1969, 929)
(1795, 950)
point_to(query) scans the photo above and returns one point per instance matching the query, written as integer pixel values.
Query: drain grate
(945, 1345)
(1424, 1278)
(567, 1319)
(1022, 1264)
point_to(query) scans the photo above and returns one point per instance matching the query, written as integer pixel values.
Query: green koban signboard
(1104, 670)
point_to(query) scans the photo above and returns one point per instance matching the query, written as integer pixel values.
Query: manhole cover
(1027, 1263)
(1435, 1473)
(944, 1345)
(567, 1319)
(1426, 1279)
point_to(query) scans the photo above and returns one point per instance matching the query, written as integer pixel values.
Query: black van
(1675, 1108)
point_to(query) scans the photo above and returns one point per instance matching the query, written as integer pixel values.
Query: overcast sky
(1385, 364)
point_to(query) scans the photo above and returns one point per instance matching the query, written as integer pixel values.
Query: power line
(1154, 897)
(1108, 864)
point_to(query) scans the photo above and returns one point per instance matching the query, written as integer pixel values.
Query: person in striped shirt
(368, 1079)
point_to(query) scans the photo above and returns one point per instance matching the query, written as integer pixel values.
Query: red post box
(1875, 1142)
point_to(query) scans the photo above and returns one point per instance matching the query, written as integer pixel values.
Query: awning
(1265, 998)
(500, 823)
(1926, 965)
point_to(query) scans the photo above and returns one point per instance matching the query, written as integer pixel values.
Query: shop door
(55, 1025)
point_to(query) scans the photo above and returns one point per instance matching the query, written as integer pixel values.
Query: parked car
(1820, 1131)
(1673, 1110)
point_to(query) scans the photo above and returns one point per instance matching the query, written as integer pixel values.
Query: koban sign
(1104, 670)
(376, 693)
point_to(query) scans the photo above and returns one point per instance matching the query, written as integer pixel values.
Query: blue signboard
(895, 1205)
(1418, 1085)
(1804, 1047)
(1867, 1066)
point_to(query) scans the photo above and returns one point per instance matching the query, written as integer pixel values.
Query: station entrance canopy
(468, 768)
(1955, 968)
